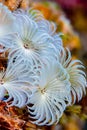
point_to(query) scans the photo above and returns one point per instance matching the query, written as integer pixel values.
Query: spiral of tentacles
(43, 24)
(7, 26)
(77, 76)
(50, 28)
(51, 96)
(17, 83)
(32, 44)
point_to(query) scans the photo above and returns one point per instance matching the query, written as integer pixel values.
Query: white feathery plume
(33, 14)
(7, 26)
(50, 99)
(77, 75)
(50, 28)
(43, 24)
(32, 45)
(18, 83)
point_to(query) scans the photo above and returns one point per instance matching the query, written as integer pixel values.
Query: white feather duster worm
(77, 75)
(7, 26)
(40, 74)
(32, 45)
(43, 25)
(51, 96)
(17, 82)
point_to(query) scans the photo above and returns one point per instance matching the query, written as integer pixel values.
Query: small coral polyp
(39, 70)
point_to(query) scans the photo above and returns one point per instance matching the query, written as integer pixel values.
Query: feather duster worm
(39, 75)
